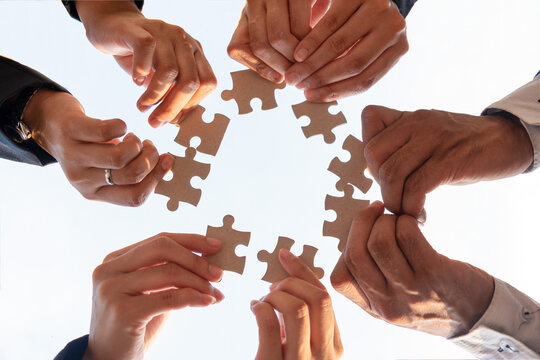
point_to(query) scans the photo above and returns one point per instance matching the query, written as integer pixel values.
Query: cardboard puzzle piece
(230, 238)
(346, 209)
(322, 122)
(247, 85)
(211, 134)
(352, 172)
(274, 270)
(179, 188)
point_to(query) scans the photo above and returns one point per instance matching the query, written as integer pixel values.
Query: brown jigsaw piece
(248, 85)
(322, 122)
(352, 171)
(211, 134)
(226, 258)
(274, 270)
(346, 209)
(179, 188)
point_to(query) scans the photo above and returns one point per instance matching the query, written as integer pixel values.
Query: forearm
(73, 7)
(91, 11)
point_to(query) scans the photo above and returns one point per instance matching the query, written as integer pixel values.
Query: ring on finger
(108, 177)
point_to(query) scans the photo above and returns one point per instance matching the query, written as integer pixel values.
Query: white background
(464, 55)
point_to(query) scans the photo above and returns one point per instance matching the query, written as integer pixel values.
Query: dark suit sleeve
(17, 83)
(72, 10)
(74, 350)
(405, 6)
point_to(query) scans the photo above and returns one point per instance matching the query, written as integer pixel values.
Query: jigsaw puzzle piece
(179, 188)
(346, 209)
(322, 122)
(352, 172)
(248, 85)
(274, 270)
(230, 238)
(211, 134)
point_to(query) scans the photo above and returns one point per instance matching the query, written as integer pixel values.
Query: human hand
(389, 269)
(411, 154)
(354, 45)
(269, 31)
(136, 287)
(163, 57)
(84, 147)
(306, 328)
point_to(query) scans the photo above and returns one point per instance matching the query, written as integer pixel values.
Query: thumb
(377, 118)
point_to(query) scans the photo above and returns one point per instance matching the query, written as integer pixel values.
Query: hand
(306, 328)
(136, 287)
(411, 154)
(85, 147)
(163, 57)
(390, 270)
(269, 31)
(354, 45)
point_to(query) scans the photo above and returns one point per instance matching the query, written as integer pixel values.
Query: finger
(395, 171)
(184, 88)
(143, 45)
(239, 49)
(300, 14)
(362, 82)
(193, 242)
(296, 321)
(136, 195)
(363, 54)
(297, 268)
(386, 253)
(356, 254)
(419, 253)
(336, 16)
(132, 173)
(269, 331)
(93, 130)
(149, 306)
(163, 277)
(429, 176)
(164, 248)
(163, 78)
(279, 28)
(321, 314)
(108, 155)
(377, 118)
(258, 37)
(208, 83)
(337, 43)
(318, 10)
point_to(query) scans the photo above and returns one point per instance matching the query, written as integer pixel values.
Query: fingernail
(215, 271)
(301, 54)
(252, 304)
(276, 77)
(167, 162)
(208, 299)
(143, 108)
(218, 294)
(303, 85)
(286, 255)
(293, 78)
(139, 80)
(274, 285)
(213, 242)
(422, 217)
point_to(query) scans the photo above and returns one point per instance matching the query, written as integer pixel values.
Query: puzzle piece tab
(322, 122)
(230, 238)
(247, 85)
(352, 171)
(211, 134)
(274, 270)
(179, 188)
(346, 209)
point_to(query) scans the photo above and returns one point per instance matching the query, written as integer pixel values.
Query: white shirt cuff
(524, 103)
(509, 329)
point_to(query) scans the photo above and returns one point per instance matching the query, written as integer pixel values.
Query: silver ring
(108, 177)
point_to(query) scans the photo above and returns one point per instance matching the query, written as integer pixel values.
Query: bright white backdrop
(464, 55)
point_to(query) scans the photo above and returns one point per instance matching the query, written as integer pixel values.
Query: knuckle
(363, 84)
(98, 273)
(234, 50)
(163, 243)
(169, 270)
(413, 185)
(323, 300)
(331, 21)
(104, 289)
(169, 73)
(117, 157)
(370, 152)
(406, 229)
(146, 42)
(136, 199)
(338, 44)
(259, 48)
(299, 310)
(358, 63)
(190, 85)
(378, 245)
(387, 172)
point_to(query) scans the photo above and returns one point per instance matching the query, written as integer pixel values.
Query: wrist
(92, 11)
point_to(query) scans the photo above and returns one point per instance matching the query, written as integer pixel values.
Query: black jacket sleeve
(17, 83)
(405, 6)
(72, 10)
(74, 350)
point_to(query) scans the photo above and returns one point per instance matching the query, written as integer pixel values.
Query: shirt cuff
(509, 329)
(524, 104)
(74, 350)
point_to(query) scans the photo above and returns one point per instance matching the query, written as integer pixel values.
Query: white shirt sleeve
(524, 103)
(509, 329)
